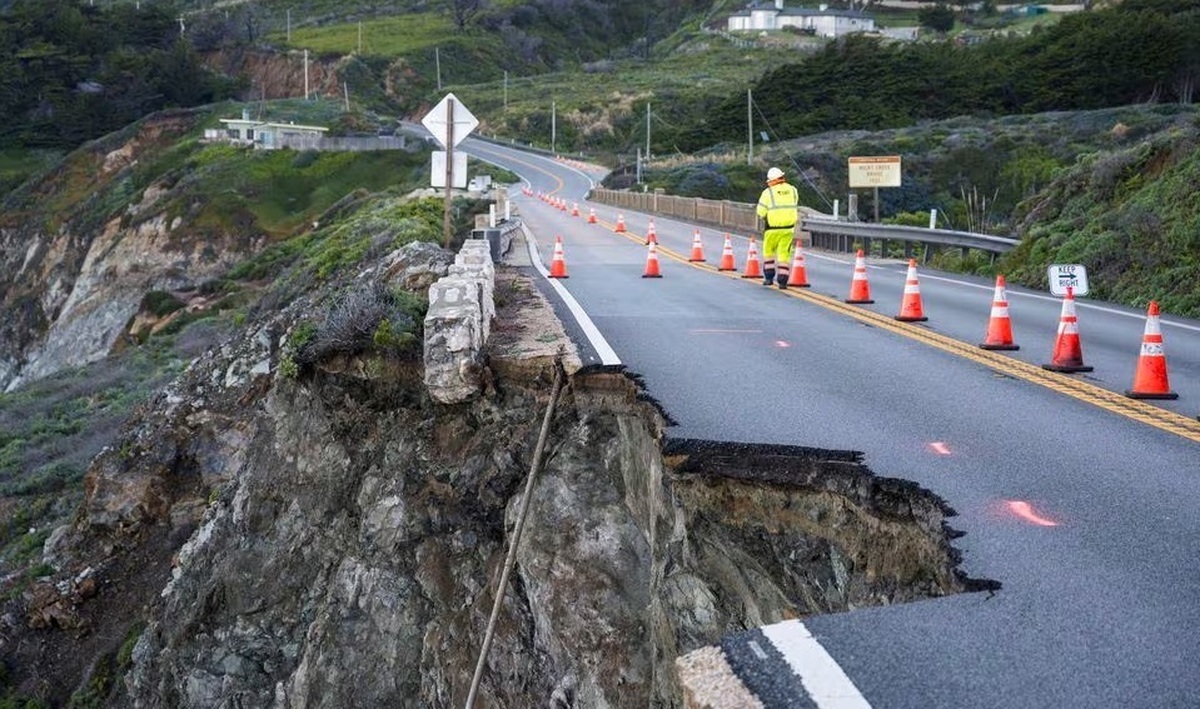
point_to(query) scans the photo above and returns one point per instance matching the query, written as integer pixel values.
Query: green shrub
(160, 303)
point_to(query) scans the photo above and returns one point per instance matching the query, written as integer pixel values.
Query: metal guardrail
(847, 236)
(823, 230)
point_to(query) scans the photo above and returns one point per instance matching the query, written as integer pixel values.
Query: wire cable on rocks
(511, 559)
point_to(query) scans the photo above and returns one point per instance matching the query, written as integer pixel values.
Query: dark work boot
(768, 276)
(782, 282)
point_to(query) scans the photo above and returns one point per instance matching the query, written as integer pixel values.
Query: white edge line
(607, 355)
(824, 680)
(590, 331)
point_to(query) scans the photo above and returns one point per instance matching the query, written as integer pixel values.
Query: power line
(790, 157)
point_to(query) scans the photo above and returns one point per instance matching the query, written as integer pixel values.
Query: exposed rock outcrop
(72, 276)
(334, 538)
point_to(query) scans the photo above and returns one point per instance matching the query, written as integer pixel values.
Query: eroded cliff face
(81, 247)
(335, 538)
(274, 75)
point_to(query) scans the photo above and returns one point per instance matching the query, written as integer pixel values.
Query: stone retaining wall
(457, 324)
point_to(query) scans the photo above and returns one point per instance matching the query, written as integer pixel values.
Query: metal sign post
(449, 171)
(449, 122)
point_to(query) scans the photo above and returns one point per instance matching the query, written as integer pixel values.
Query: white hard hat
(774, 174)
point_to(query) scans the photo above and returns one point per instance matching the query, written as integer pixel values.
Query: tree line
(70, 72)
(1135, 52)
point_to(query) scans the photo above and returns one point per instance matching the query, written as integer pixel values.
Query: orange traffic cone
(911, 309)
(1068, 352)
(753, 265)
(999, 333)
(652, 261)
(575, 210)
(797, 276)
(592, 215)
(697, 248)
(1150, 377)
(558, 264)
(651, 235)
(727, 263)
(620, 229)
(860, 289)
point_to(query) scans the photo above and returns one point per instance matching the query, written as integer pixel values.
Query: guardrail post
(966, 251)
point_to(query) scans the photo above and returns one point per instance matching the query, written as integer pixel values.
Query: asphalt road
(1088, 515)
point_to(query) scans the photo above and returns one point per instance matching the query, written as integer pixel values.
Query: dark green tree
(939, 18)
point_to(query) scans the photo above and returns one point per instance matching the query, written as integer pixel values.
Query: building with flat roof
(822, 21)
(265, 134)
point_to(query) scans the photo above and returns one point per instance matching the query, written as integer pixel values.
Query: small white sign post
(1064, 275)
(449, 122)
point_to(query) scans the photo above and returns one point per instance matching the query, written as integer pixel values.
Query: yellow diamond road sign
(438, 121)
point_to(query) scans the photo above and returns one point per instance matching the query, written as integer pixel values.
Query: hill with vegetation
(71, 71)
(1136, 51)
(1131, 215)
(141, 250)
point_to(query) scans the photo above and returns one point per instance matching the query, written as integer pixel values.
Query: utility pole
(289, 25)
(306, 75)
(553, 126)
(749, 128)
(506, 89)
(360, 38)
(647, 130)
(346, 93)
(437, 59)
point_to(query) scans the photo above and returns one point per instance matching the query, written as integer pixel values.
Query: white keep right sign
(1062, 275)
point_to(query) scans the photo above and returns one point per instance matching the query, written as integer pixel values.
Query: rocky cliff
(81, 246)
(290, 530)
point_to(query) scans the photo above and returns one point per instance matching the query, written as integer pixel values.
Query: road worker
(777, 208)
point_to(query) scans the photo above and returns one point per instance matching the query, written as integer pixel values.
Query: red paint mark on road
(939, 448)
(1025, 511)
(781, 344)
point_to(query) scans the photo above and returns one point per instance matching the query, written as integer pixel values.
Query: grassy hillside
(603, 109)
(1131, 215)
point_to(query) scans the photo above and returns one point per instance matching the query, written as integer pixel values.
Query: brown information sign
(879, 171)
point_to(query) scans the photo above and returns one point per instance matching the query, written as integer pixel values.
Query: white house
(265, 134)
(823, 22)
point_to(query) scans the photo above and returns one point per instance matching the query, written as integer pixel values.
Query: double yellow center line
(1075, 388)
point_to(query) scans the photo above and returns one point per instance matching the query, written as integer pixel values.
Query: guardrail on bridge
(822, 230)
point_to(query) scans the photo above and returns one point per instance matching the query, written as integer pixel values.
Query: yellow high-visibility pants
(777, 250)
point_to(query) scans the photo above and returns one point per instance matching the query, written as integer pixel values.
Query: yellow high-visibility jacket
(777, 204)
